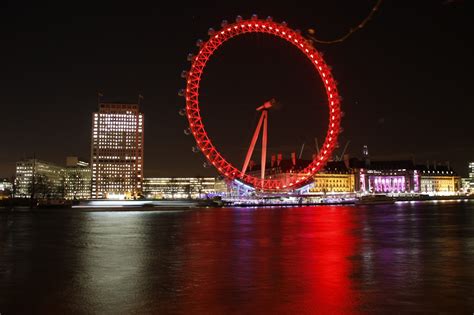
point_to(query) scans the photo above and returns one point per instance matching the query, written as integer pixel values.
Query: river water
(407, 257)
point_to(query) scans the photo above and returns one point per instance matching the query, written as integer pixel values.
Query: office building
(183, 187)
(77, 179)
(117, 151)
(39, 179)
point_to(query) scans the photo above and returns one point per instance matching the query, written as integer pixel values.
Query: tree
(40, 187)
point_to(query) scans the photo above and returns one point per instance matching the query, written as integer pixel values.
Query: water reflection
(397, 258)
(285, 260)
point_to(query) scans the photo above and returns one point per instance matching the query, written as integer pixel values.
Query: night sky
(406, 78)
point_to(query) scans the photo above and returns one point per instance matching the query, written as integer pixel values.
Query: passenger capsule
(184, 74)
(224, 23)
(269, 19)
(199, 43)
(211, 31)
(181, 92)
(254, 17)
(238, 19)
(190, 57)
(195, 149)
(182, 112)
(187, 131)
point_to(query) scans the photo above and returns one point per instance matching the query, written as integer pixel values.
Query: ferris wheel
(197, 128)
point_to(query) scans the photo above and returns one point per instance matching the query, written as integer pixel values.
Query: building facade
(439, 182)
(471, 176)
(336, 178)
(182, 187)
(39, 179)
(77, 179)
(117, 151)
(333, 183)
(6, 188)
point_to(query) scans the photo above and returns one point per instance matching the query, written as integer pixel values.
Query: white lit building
(77, 179)
(6, 188)
(183, 187)
(39, 178)
(5, 184)
(471, 175)
(439, 182)
(117, 151)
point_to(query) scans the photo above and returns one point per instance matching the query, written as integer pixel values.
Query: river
(406, 257)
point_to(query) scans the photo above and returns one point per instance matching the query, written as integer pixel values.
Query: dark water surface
(407, 257)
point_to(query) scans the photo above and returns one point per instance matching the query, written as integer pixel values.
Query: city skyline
(56, 76)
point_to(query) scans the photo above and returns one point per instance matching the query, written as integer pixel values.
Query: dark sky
(405, 78)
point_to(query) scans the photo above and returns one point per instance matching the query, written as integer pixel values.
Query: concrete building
(117, 151)
(182, 187)
(77, 179)
(39, 179)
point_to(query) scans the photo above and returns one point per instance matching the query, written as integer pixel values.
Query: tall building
(77, 179)
(117, 151)
(39, 179)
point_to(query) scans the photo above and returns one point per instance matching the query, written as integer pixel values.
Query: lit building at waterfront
(471, 175)
(439, 180)
(39, 179)
(183, 187)
(117, 151)
(386, 177)
(335, 178)
(466, 184)
(6, 188)
(405, 177)
(77, 179)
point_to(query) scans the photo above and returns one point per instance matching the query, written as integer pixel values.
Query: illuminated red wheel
(196, 126)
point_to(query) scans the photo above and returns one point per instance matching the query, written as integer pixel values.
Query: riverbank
(184, 204)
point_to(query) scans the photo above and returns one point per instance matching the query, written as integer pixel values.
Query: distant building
(335, 178)
(401, 177)
(117, 151)
(471, 175)
(39, 179)
(77, 179)
(5, 184)
(439, 180)
(6, 188)
(182, 187)
(386, 176)
(280, 169)
(466, 185)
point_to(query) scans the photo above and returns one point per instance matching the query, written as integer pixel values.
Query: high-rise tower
(117, 151)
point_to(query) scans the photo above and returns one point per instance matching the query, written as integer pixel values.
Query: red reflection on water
(327, 267)
(290, 260)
